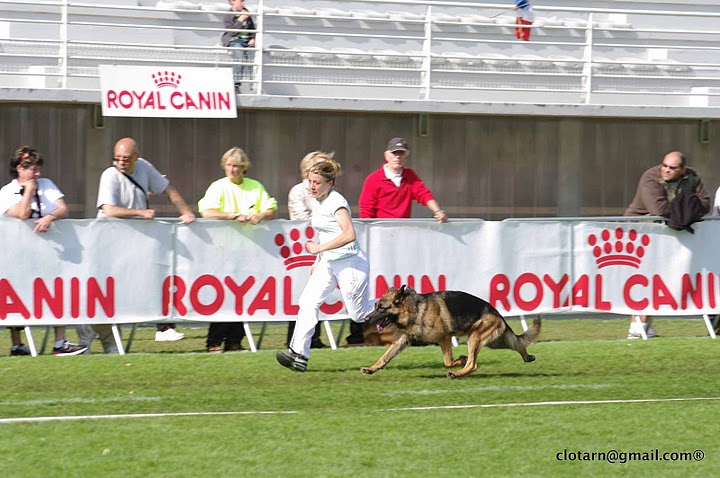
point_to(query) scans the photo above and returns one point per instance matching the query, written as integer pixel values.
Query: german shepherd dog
(437, 317)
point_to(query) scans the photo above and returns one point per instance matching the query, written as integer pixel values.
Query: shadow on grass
(518, 375)
(439, 370)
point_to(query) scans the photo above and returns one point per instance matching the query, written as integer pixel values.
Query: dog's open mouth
(382, 324)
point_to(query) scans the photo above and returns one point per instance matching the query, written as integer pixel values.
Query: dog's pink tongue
(379, 327)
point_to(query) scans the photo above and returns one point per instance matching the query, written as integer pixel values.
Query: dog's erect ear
(399, 296)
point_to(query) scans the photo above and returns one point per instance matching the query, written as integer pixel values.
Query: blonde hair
(236, 153)
(310, 159)
(328, 169)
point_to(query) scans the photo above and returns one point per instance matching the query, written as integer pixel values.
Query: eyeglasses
(674, 168)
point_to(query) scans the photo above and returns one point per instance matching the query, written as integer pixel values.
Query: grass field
(241, 414)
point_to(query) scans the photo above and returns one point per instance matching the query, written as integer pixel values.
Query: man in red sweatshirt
(390, 191)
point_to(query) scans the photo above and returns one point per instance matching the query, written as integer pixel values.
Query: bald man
(657, 188)
(123, 193)
(124, 187)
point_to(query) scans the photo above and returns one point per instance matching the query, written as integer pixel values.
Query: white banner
(167, 92)
(645, 268)
(225, 270)
(105, 270)
(125, 271)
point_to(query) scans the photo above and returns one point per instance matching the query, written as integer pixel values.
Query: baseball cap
(397, 144)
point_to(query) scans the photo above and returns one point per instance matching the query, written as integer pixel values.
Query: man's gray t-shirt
(117, 190)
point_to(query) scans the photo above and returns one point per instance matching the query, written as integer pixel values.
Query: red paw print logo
(292, 248)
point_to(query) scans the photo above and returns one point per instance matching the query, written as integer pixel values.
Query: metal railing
(440, 53)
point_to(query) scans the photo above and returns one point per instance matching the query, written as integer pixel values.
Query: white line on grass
(543, 404)
(492, 388)
(135, 415)
(52, 401)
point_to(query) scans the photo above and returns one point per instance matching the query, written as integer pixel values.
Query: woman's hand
(43, 224)
(30, 184)
(312, 247)
(254, 219)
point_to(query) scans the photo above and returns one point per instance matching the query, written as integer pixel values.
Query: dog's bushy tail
(507, 339)
(531, 334)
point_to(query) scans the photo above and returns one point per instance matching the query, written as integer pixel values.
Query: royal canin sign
(620, 281)
(224, 271)
(173, 92)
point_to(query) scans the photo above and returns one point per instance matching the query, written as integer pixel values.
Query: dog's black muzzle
(379, 319)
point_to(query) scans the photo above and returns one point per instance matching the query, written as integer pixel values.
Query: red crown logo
(166, 78)
(618, 249)
(292, 251)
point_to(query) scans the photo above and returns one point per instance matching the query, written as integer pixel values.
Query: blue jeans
(242, 71)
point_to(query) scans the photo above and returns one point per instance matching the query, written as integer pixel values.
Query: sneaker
(21, 349)
(651, 332)
(292, 360)
(68, 348)
(214, 349)
(168, 335)
(634, 332)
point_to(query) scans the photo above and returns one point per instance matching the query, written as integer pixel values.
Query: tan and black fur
(437, 317)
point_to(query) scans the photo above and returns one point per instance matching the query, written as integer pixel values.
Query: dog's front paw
(451, 375)
(530, 358)
(367, 371)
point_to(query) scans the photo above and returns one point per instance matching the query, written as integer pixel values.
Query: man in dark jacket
(656, 190)
(659, 185)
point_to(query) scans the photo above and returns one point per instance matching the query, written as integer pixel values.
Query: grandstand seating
(376, 50)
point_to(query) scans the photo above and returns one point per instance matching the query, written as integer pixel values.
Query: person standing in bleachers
(525, 17)
(29, 196)
(239, 19)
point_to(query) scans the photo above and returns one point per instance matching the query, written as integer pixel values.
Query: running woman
(340, 261)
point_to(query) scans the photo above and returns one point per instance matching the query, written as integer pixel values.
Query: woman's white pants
(351, 274)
